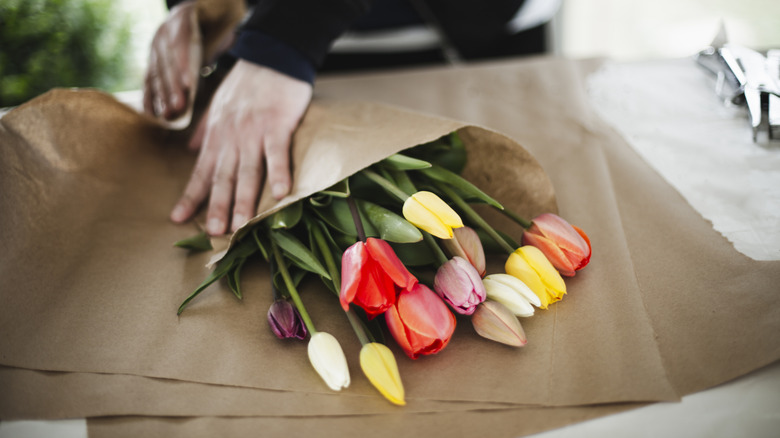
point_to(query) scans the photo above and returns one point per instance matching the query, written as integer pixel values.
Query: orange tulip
(420, 322)
(566, 246)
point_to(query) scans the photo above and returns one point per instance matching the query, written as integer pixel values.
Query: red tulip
(420, 322)
(372, 276)
(566, 246)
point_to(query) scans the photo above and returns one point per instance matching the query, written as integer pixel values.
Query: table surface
(746, 209)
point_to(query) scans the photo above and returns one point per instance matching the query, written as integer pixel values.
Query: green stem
(291, 288)
(387, 185)
(357, 326)
(512, 215)
(435, 248)
(475, 217)
(356, 218)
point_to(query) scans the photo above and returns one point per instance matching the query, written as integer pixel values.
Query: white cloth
(669, 113)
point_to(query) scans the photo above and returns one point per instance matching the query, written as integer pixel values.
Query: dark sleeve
(294, 36)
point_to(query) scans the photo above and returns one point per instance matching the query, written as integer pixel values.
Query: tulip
(379, 365)
(512, 293)
(372, 276)
(458, 283)
(566, 246)
(327, 358)
(494, 321)
(529, 265)
(285, 321)
(465, 243)
(420, 322)
(428, 212)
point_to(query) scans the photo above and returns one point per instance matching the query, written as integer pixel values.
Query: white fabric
(669, 113)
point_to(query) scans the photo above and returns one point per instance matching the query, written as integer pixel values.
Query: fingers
(248, 182)
(197, 188)
(277, 151)
(222, 187)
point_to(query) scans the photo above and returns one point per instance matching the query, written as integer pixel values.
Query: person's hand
(174, 60)
(251, 118)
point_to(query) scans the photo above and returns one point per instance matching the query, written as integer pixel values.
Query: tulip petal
(494, 321)
(519, 268)
(353, 261)
(424, 219)
(327, 358)
(550, 277)
(470, 247)
(420, 322)
(507, 296)
(381, 369)
(384, 255)
(516, 285)
(554, 252)
(441, 209)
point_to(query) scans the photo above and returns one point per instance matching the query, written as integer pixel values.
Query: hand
(173, 66)
(251, 117)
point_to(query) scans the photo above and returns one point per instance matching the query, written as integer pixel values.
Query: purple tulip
(285, 321)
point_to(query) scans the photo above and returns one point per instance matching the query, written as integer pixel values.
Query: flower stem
(357, 326)
(291, 288)
(435, 248)
(514, 216)
(356, 218)
(387, 185)
(475, 217)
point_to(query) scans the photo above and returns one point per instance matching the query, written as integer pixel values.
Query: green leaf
(242, 250)
(259, 242)
(338, 216)
(287, 217)
(198, 242)
(298, 253)
(234, 278)
(339, 190)
(390, 226)
(448, 152)
(404, 162)
(414, 254)
(296, 275)
(442, 175)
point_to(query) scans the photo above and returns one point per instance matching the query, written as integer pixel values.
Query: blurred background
(104, 43)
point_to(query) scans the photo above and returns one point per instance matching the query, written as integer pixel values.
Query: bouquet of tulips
(399, 242)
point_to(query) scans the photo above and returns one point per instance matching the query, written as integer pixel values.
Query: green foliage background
(61, 43)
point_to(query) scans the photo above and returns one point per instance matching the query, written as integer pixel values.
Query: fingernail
(178, 214)
(175, 100)
(215, 226)
(279, 190)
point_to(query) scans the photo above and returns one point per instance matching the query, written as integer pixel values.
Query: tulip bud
(530, 266)
(379, 365)
(285, 321)
(465, 243)
(458, 283)
(492, 320)
(327, 358)
(567, 247)
(428, 212)
(420, 322)
(512, 293)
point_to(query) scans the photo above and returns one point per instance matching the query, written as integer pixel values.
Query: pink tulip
(458, 283)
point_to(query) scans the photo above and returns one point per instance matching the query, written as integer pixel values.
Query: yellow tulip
(428, 212)
(378, 364)
(530, 266)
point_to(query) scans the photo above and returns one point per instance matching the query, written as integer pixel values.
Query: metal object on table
(747, 77)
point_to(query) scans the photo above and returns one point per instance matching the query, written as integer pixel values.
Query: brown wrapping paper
(113, 283)
(713, 311)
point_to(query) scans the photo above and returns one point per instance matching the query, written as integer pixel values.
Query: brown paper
(603, 342)
(112, 283)
(30, 394)
(499, 424)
